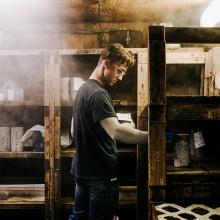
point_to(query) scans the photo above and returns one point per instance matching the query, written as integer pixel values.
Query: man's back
(96, 156)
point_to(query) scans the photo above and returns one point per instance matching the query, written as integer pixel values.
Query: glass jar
(182, 150)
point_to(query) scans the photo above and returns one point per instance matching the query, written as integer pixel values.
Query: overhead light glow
(211, 15)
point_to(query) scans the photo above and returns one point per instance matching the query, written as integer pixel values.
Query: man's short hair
(117, 54)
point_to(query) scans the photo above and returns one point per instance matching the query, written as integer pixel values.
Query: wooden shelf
(127, 151)
(70, 152)
(16, 202)
(124, 103)
(193, 108)
(68, 202)
(118, 103)
(22, 52)
(192, 171)
(16, 103)
(23, 154)
(95, 51)
(23, 196)
(127, 196)
(193, 100)
(166, 182)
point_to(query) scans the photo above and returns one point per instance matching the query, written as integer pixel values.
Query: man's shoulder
(92, 85)
(90, 90)
(94, 88)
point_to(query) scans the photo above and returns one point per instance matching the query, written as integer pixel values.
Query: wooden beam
(20, 52)
(192, 35)
(185, 57)
(156, 118)
(95, 51)
(177, 56)
(142, 104)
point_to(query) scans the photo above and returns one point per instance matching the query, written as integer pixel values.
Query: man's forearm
(130, 135)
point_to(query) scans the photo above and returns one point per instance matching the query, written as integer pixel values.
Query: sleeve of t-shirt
(101, 106)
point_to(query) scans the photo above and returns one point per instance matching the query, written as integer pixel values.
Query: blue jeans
(95, 200)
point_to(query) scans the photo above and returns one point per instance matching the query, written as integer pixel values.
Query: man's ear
(106, 63)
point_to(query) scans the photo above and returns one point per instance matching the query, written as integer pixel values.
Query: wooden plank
(208, 72)
(52, 62)
(95, 51)
(21, 154)
(202, 80)
(142, 58)
(178, 56)
(122, 102)
(49, 134)
(192, 172)
(193, 112)
(21, 52)
(46, 79)
(156, 154)
(23, 103)
(25, 191)
(193, 108)
(185, 58)
(216, 67)
(193, 100)
(156, 112)
(185, 50)
(47, 166)
(142, 104)
(116, 102)
(127, 195)
(122, 152)
(189, 55)
(156, 126)
(57, 132)
(39, 187)
(156, 195)
(24, 205)
(192, 35)
(19, 200)
(157, 65)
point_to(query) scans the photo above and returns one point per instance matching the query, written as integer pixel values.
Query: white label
(199, 140)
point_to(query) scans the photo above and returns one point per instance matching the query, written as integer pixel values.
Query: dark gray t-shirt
(96, 155)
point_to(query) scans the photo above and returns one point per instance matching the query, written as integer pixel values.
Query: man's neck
(97, 75)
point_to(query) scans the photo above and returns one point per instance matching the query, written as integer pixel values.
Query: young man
(96, 129)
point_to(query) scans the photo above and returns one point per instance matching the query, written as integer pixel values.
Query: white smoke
(211, 15)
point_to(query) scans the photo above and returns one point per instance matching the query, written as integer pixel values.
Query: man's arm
(122, 132)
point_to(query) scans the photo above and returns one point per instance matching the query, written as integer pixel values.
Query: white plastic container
(75, 84)
(16, 135)
(65, 89)
(12, 92)
(4, 139)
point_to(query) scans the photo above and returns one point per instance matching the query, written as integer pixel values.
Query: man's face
(114, 73)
